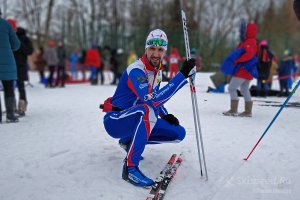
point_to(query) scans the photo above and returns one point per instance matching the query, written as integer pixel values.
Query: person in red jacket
(93, 60)
(174, 59)
(242, 78)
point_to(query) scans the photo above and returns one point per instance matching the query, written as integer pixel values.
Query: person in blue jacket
(9, 42)
(136, 114)
(241, 63)
(285, 69)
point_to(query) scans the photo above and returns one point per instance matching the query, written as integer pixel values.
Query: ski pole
(194, 100)
(273, 120)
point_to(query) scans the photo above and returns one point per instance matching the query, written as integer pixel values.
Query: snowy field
(60, 150)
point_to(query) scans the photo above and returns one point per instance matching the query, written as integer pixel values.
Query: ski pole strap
(107, 106)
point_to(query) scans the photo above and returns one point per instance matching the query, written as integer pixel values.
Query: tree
(48, 18)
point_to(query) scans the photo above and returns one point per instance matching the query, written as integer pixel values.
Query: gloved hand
(187, 67)
(171, 119)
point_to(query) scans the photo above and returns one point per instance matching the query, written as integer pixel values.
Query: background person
(8, 68)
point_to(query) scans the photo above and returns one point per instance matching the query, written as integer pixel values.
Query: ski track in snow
(61, 151)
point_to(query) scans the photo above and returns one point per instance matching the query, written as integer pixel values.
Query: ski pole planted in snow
(273, 120)
(201, 154)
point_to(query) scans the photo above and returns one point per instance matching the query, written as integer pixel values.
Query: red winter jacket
(174, 59)
(92, 58)
(250, 47)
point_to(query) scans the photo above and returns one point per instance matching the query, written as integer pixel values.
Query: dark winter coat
(114, 61)
(22, 53)
(285, 67)
(8, 42)
(264, 62)
(61, 55)
(297, 8)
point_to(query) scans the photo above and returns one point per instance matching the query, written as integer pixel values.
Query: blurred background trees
(212, 24)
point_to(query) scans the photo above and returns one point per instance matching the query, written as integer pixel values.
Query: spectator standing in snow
(74, 58)
(132, 57)
(242, 66)
(273, 71)
(92, 60)
(133, 111)
(197, 58)
(285, 69)
(40, 63)
(50, 56)
(264, 66)
(8, 69)
(82, 65)
(61, 65)
(114, 65)
(21, 55)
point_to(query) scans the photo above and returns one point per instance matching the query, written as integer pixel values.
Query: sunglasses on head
(157, 42)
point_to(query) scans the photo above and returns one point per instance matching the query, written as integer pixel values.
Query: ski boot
(134, 176)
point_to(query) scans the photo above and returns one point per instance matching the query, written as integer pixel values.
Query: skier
(174, 59)
(132, 112)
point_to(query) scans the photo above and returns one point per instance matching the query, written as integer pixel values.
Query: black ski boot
(10, 114)
(134, 176)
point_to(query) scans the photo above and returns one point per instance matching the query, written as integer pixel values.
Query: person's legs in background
(22, 105)
(234, 99)
(247, 97)
(50, 78)
(9, 97)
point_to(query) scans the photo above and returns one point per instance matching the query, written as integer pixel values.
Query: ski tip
(245, 159)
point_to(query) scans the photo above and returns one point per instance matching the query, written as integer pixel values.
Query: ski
(158, 181)
(168, 178)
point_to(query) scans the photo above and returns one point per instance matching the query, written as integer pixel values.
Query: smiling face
(155, 55)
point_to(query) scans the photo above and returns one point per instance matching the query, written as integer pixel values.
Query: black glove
(171, 119)
(187, 66)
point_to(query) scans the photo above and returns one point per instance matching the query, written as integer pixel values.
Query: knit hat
(264, 43)
(157, 37)
(251, 30)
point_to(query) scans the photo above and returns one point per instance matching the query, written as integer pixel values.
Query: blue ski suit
(136, 105)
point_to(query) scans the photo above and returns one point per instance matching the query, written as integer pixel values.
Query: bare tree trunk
(92, 22)
(48, 18)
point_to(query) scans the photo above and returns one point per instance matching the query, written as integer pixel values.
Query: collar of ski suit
(147, 64)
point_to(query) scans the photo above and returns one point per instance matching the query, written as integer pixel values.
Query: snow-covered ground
(60, 150)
